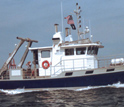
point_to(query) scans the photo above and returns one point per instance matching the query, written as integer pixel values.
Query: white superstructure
(67, 55)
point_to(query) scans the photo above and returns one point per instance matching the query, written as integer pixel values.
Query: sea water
(97, 96)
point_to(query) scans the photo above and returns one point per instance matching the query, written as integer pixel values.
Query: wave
(116, 85)
(15, 91)
(19, 91)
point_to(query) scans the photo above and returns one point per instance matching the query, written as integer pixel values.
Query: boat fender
(45, 64)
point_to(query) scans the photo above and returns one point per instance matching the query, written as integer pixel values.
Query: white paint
(69, 38)
(16, 73)
(61, 62)
(42, 71)
(117, 61)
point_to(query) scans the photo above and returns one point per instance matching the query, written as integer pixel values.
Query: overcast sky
(35, 19)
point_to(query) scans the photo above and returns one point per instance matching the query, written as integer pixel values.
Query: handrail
(110, 56)
(56, 72)
(58, 63)
(101, 62)
(63, 68)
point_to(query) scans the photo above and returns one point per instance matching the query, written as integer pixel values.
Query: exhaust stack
(56, 27)
(67, 31)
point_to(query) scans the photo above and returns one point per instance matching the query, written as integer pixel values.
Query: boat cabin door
(44, 62)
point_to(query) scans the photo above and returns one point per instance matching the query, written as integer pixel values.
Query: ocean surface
(101, 96)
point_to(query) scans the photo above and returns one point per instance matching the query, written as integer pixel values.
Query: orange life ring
(45, 64)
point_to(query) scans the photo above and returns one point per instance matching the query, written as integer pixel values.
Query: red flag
(70, 21)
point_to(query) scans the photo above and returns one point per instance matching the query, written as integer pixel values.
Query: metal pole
(62, 20)
(4, 67)
(24, 56)
(34, 62)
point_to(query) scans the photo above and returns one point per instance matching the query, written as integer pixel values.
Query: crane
(5, 65)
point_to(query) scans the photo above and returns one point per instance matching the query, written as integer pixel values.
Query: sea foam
(15, 91)
(116, 85)
(19, 91)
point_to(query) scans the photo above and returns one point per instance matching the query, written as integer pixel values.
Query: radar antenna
(77, 12)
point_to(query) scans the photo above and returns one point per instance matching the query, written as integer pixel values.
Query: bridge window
(80, 51)
(92, 50)
(89, 50)
(69, 51)
(45, 54)
(96, 51)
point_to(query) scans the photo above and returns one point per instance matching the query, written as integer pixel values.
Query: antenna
(83, 29)
(77, 12)
(62, 20)
(90, 27)
(90, 34)
(86, 29)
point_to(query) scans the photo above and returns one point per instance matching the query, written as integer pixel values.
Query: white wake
(15, 91)
(19, 91)
(117, 85)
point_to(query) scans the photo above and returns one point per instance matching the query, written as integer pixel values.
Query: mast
(62, 19)
(86, 30)
(77, 12)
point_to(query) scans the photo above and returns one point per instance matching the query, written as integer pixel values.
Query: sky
(35, 19)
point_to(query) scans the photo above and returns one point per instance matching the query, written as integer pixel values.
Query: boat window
(89, 50)
(92, 50)
(45, 54)
(80, 51)
(96, 51)
(69, 51)
(88, 72)
(110, 70)
(68, 73)
(35, 53)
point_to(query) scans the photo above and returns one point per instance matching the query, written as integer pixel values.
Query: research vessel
(67, 63)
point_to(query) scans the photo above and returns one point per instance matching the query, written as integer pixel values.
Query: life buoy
(45, 64)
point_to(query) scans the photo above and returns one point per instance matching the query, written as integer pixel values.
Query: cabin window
(92, 50)
(69, 51)
(89, 50)
(80, 51)
(45, 54)
(88, 72)
(35, 55)
(68, 73)
(110, 70)
(96, 51)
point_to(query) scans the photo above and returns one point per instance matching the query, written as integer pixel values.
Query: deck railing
(4, 77)
(74, 64)
(97, 62)
(78, 64)
(113, 60)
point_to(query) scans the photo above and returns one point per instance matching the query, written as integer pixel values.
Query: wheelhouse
(66, 56)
